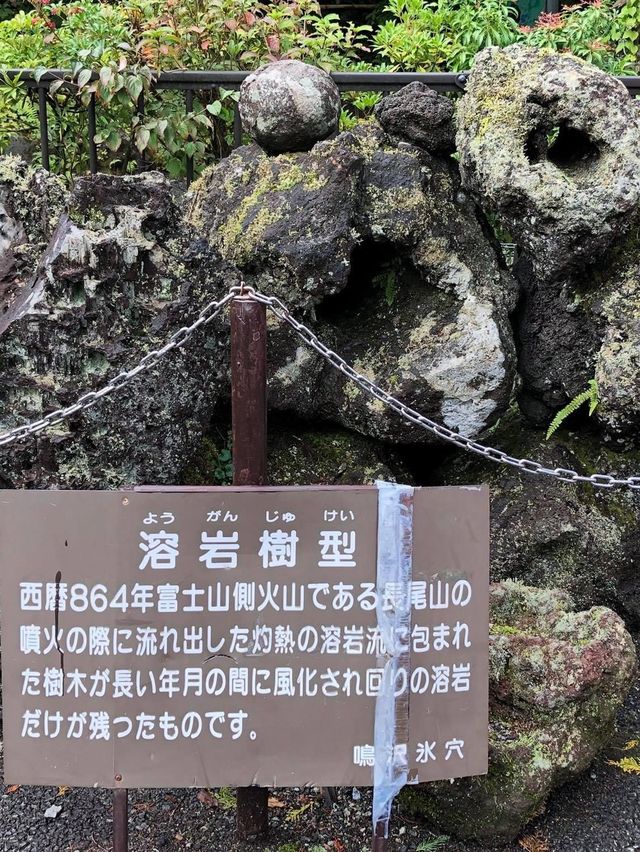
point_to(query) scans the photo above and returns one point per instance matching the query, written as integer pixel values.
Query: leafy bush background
(114, 51)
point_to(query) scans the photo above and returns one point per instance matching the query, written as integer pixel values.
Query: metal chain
(599, 480)
(279, 309)
(177, 340)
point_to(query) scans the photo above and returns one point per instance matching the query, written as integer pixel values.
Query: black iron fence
(190, 82)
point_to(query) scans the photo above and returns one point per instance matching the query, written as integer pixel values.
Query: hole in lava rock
(565, 146)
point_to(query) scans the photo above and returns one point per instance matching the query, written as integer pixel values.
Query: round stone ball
(289, 106)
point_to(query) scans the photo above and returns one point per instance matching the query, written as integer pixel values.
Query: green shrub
(113, 53)
(126, 45)
(447, 34)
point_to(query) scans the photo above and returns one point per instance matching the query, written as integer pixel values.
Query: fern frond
(627, 764)
(590, 396)
(295, 814)
(432, 845)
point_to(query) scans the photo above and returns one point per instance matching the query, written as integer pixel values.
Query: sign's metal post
(379, 840)
(249, 427)
(120, 820)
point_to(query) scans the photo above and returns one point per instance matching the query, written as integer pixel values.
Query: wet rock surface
(286, 221)
(289, 106)
(557, 680)
(117, 278)
(420, 301)
(30, 205)
(303, 456)
(550, 143)
(559, 535)
(419, 115)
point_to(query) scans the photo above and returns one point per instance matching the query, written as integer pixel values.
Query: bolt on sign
(238, 636)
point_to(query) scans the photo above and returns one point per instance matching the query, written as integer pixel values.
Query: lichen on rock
(118, 277)
(289, 106)
(557, 679)
(550, 143)
(377, 239)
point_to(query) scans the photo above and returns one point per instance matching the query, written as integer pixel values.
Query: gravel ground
(599, 812)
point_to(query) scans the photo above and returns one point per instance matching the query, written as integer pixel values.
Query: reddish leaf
(273, 43)
(231, 24)
(13, 788)
(249, 19)
(275, 803)
(207, 798)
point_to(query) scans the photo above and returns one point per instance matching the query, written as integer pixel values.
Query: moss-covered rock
(550, 143)
(557, 679)
(557, 534)
(394, 266)
(286, 221)
(119, 276)
(31, 201)
(299, 456)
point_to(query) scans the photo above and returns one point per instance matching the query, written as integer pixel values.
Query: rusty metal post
(249, 428)
(249, 391)
(120, 821)
(379, 840)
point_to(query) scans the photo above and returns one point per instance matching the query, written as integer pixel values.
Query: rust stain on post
(249, 427)
(120, 821)
(379, 841)
(249, 391)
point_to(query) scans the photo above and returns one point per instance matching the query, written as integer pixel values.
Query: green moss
(211, 464)
(503, 630)
(260, 195)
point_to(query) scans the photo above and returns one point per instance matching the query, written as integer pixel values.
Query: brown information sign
(231, 636)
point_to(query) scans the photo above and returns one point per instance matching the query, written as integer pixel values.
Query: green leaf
(134, 86)
(106, 76)
(214, 108)
(113, 140)
(55, 86)
(83, 77)
(590, 396)
(142, 138)
(433, 845)
(175, 167)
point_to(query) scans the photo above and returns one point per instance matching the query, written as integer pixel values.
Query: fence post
(249, 430)
(120, 820)
(379, 843)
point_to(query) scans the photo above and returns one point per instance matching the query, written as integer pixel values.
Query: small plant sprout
(589, 396)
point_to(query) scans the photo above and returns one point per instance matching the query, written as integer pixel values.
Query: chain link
(176, 341)
(598, 480)
(280, 310)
